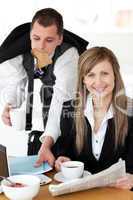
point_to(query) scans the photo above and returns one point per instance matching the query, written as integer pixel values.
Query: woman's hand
(125, 182)
(60, 160)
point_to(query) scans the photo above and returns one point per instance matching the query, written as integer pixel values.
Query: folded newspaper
(101, 179)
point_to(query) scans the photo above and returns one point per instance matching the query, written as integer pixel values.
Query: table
(92, 194)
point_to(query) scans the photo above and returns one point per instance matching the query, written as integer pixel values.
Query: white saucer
(60, 178)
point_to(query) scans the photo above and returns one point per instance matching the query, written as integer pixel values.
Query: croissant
(41, 57)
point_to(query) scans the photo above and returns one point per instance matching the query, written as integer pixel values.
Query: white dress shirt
(97, 138)
(65, 71)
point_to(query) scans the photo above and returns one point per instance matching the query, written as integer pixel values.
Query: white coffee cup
(18, 118)
(72, 169)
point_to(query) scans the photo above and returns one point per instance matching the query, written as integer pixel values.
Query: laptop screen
(4, 170)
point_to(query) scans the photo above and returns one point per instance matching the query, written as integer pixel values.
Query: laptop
(4, 167)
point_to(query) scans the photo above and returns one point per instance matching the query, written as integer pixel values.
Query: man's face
(45, 38)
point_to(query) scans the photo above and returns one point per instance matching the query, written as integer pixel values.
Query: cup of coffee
(72, 169)
(18, 119)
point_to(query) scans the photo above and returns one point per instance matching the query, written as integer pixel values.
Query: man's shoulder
(69, 105)
(70, 54)
(75, 40)
(68, 110)
(16, 61)
(67, 50)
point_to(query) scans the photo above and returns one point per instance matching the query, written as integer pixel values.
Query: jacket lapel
(109, 142)
(108, 145)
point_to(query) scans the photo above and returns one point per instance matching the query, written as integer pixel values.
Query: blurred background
(101, 22)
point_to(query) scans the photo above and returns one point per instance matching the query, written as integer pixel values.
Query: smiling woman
(101, 130)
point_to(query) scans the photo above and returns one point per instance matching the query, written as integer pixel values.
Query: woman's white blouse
(97, 138)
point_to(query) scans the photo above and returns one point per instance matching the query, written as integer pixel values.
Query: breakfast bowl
(25, 188)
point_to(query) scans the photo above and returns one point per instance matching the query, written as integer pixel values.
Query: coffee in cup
(72, 169)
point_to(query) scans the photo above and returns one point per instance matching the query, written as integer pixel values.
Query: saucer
(60, 178)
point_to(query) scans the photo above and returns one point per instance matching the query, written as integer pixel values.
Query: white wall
(121, 43)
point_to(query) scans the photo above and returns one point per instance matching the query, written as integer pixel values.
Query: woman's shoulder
(130, 114)
(130, 120)
(130, 110)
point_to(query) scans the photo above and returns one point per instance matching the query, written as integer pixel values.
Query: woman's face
(100, 80)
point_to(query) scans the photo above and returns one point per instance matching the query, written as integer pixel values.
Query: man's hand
(45, 153)
(6, 115)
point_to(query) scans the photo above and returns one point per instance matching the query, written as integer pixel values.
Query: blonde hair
(87, 61)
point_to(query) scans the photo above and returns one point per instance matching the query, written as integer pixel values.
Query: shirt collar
(88, 112)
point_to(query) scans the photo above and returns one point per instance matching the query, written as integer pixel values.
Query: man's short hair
(47, 17)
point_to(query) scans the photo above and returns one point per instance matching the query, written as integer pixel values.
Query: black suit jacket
(109, 155)
(18, 42)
